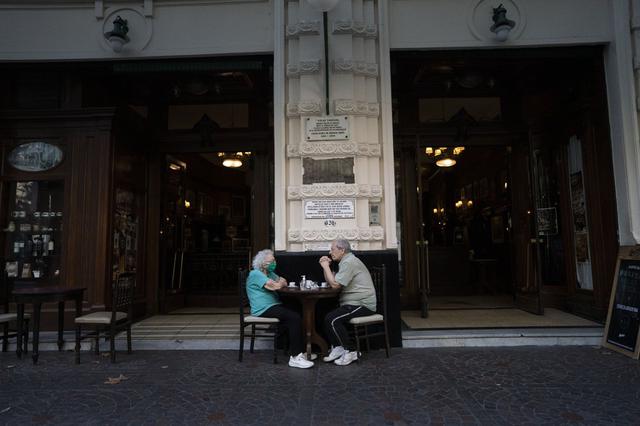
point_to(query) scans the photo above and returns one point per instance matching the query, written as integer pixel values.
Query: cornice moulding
(334, 148)
(351, 107)
(355, 28)
(303, 68)
(296, 109)
(303, 28)
(366, 69)
(334, 190)
(374, 233)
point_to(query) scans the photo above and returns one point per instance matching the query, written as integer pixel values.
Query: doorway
(500, 192)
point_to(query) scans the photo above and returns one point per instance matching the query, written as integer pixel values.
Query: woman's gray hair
(258, 260)
(343, 244)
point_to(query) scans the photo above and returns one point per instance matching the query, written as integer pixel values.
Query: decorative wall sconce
(233, 159)
(501, 25)
(117, 37)
(442, 155)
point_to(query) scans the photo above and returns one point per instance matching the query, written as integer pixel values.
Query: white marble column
(358, 60)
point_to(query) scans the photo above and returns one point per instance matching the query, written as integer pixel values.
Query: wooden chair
(6, 316)
(268, 327)
(361, 324)
(110, 322)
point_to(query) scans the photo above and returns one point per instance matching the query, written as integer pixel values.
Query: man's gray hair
(343, 244)
(259, 258)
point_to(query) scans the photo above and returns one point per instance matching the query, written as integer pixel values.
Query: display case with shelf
(34, 229)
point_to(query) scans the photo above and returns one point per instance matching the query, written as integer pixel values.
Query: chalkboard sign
(622, 330)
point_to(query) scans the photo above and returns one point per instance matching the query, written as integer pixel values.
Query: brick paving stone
(447, 386)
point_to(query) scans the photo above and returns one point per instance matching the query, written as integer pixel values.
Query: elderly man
(358, 298)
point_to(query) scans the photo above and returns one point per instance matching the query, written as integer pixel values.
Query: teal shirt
(261, 298)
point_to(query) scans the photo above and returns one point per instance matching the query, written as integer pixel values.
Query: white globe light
(323, 5)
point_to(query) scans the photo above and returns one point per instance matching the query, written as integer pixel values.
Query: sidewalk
(521, 385)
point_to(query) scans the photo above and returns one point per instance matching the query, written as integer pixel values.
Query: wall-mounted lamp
(501, 25)
(118, 36)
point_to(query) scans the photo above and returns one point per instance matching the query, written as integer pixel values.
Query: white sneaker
(300, 361)
(313, 356)
(347, 358)
(336, 353)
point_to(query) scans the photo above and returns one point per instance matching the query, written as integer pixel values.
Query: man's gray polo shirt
(357, 286)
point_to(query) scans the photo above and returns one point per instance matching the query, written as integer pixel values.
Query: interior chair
(108, 323)
(361, 325)
(268, 327)
(7, 317)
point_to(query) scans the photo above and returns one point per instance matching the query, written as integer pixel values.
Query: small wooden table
(37, 296)
(308, 300)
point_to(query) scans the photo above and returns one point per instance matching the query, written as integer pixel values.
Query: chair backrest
(379, 277)
(122, 291)
(242, 291)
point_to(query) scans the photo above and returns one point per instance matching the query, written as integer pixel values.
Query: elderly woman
(262, 284)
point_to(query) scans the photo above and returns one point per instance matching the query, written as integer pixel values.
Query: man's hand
(325, 261)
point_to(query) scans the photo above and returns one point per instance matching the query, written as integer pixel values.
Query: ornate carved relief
(295, 109)
(355, 28)
(303, 28)
(334, 190)
(366, 69)
(351, 107)
(303, 67)
(334, 148)
(374, 233)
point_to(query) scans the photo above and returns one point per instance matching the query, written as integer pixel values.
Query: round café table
(38, 295)
(308, 300)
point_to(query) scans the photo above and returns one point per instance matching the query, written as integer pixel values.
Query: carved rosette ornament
(355, 28)
(334, 148)
(303, 28)
(374, 233)
(303, 68)
(296, 109)
(326, 190)
(367, 69)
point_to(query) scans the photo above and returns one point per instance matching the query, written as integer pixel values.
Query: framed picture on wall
(238, 206)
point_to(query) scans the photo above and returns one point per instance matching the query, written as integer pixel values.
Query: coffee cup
(292, 284)
(323, 284)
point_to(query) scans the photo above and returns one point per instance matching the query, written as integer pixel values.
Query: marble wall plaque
(329, 128)
(329, 209)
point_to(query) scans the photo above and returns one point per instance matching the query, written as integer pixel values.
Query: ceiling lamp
(444, 156)
(233, 159)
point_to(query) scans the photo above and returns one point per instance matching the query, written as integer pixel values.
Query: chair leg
(253, 337)
(386, 339)
(97, 348)
(26, 336)
(241, 343)
(5, 338)
(275, 346)
(357, 337)
(366, 333)
(78, 331)
(129, 351)
(112, 349)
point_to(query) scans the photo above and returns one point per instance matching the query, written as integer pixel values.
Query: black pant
(290, 321)
(335, 324)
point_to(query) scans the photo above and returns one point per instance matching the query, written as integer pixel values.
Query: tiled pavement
(522, 385)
